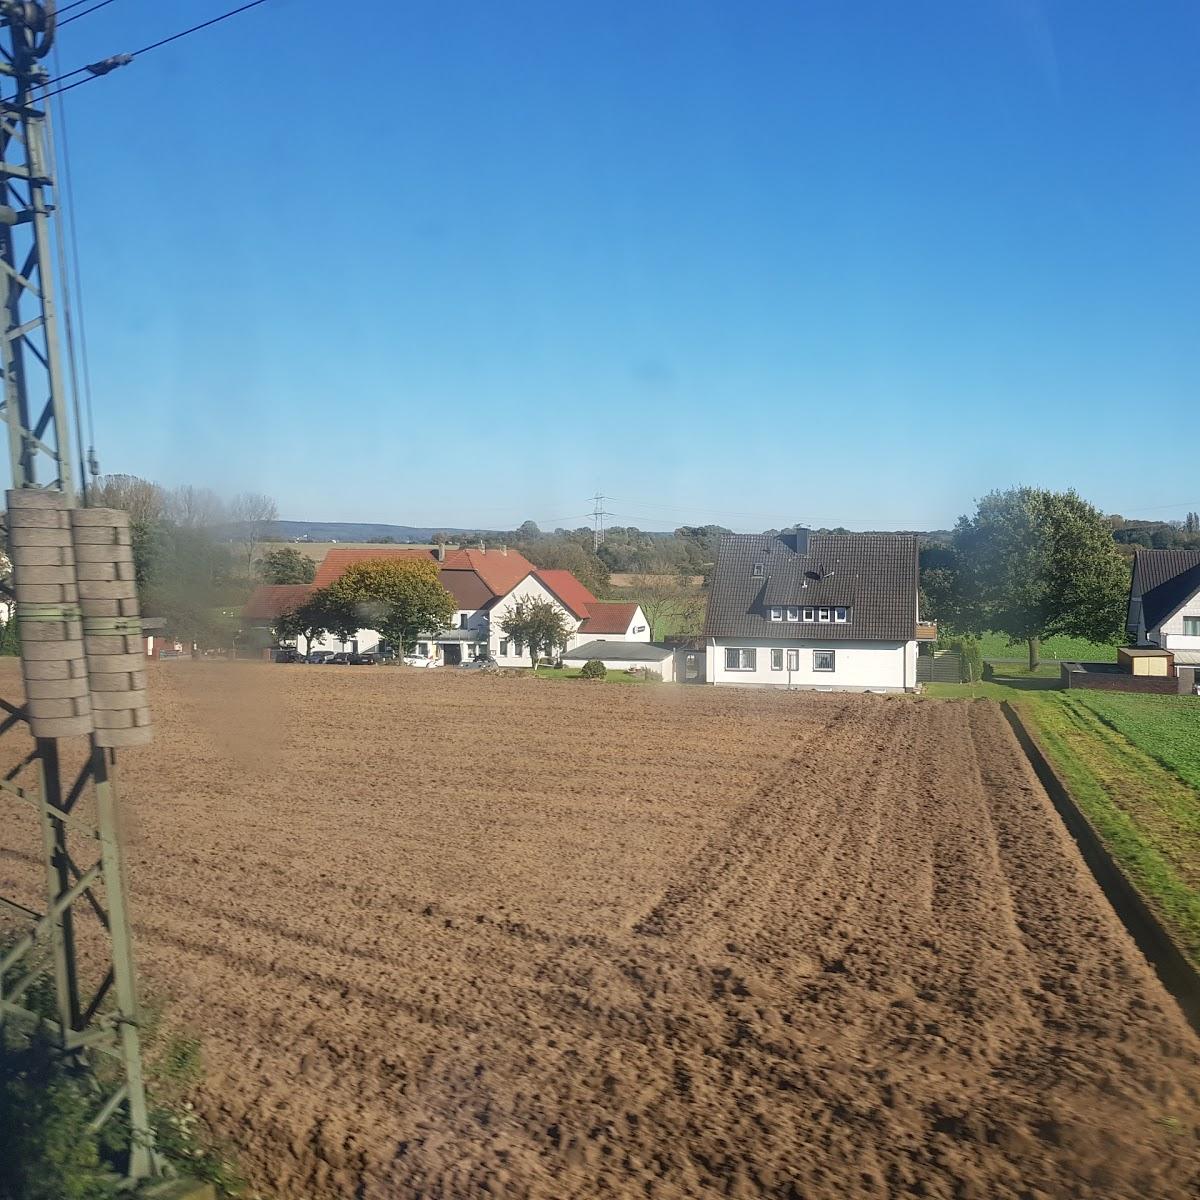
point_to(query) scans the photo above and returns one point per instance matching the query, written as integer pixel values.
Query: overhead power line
(103, 66)
(64, 8)
(59, 22)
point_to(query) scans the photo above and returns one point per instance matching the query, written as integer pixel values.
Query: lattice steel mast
(77, 811)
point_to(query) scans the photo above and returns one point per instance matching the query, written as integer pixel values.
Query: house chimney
(504, 551)
(441, 552)
(801, 536)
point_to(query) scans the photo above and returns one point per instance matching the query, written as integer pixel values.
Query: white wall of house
(364, 641)
(528, 588)
(858, 665)
(1170, 634)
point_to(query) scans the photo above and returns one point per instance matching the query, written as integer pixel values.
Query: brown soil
(455, 935)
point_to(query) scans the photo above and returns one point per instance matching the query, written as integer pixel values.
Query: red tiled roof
(568, 589)
(500, 570)
(608, 618)
(334, 564)
(272, 600)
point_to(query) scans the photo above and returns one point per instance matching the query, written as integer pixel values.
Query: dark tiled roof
(872, 574)
(468, 590)
(1168, 578)
(619, 652)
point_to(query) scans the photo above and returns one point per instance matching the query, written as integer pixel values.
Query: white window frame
(841, 615)
(1195, 623)
(746, 655)
(793, 660)
(776, 660)
(823, 616)
(810, 615)
(793, 613)
(776, 613)
(759, 570)
(832, 662)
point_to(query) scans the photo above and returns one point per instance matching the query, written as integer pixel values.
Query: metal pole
(35, 413)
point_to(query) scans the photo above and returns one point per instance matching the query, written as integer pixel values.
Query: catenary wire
(67, 7)
(68, 319)
(86, 12)
(233, 12)
(77, 283)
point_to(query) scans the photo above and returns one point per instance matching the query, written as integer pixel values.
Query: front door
(452, 654)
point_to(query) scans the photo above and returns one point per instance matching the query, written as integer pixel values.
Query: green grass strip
(1131, 844)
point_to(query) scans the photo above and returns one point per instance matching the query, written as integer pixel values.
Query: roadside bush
(593, 669)
(969, 650)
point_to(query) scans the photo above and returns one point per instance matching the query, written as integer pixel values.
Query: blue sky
(755, 263)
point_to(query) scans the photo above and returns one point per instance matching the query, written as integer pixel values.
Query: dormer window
(823, 615)
(776, 614)
(759, 570)
(810, 615)
(793, 614)
(841, 615)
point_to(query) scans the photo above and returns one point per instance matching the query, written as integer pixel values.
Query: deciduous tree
(1033, 563)
(253, 514)
(402, 599)
(286, 565)
(539, 624)
(669, 601)
(312, 619)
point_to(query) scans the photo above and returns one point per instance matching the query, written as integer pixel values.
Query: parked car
(479, 664)
(320, 656)
(341, 659)
(419, 660)
(285, 654)
(365, 660)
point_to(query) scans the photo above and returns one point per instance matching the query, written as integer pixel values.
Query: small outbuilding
(625, 656)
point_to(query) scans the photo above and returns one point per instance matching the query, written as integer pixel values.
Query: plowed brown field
(453, 936)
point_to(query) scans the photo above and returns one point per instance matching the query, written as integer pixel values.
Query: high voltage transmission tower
(598, 515)
(81, 924)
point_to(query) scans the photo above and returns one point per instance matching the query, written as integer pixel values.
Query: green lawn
(1132, 764)
(996, 645)
(573, 673)
(1166, 727)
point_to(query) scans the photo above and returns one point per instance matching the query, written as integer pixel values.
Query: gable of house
(569, 591)
(1163, 582)
(871, 576)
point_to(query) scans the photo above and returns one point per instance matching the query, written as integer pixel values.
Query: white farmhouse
(814, 610)
(1164, 603)
(486, 586)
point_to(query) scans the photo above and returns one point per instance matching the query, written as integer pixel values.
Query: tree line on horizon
(197, 557)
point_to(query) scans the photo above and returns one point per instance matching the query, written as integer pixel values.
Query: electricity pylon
(95, 1026)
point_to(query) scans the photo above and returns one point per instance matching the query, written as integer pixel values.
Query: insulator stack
(57, 692)
(112, 627)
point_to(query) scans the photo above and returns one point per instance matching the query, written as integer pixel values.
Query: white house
(820, 611)
(1164, 603)
(486, 586)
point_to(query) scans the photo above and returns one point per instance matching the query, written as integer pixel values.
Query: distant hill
(352, 531)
